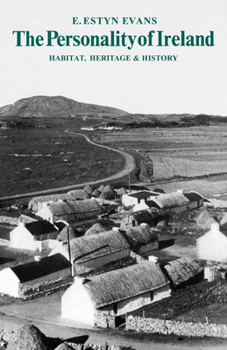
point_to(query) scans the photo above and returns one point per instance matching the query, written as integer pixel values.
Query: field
(179, 155)
(40, 155)
(37, 154)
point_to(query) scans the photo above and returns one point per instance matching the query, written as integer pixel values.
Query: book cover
(146, 80)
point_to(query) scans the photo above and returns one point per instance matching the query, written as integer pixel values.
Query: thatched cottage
(173, 202)
(36, 203)
(93, 252)
(142, 240)
(115, 293)
(183, 271)
(13, 280)
(36, 235)
(70, 211)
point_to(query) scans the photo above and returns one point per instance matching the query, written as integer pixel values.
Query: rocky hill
(55, 106)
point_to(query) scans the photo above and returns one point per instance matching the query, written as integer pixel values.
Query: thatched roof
(121, 191)
(205, 220)
(140, 235)
(79, 194)
(86, 248)
(33, 203)
(108, 195)
(95, 229)
(181, 270)
(68, 230)
(169, 200)
(193, 196)
(37, 269)
(28, 337)
(117, 285)
(88, 189)
(74, 207)
(101, 188)
(96, 193)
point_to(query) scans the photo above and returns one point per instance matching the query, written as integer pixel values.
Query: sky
(193, 83)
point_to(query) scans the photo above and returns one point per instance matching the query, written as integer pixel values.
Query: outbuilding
(100, 300)
(174, 202)
(36, 203)
(70, 211)
(142, 240)
(15, 280)
(184, 271)
(90, 253)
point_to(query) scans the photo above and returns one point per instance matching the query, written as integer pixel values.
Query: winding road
(128, 168)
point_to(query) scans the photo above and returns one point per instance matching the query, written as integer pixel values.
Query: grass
(34, 158)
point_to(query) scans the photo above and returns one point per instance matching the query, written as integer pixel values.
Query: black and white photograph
(113, 174)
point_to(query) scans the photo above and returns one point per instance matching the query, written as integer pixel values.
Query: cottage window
(151, 296)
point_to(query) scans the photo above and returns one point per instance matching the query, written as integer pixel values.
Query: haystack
(96, 193)
(88, 189)
(79, 194)
(107, 193)
(204, 220)
(121, 191)
(95, 229)
(101, 188)
(28, 337)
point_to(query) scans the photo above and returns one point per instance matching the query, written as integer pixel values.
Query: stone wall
(151, 325)
(104, 320)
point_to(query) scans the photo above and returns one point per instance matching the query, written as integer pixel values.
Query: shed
(205, 220)
(212, 245)
(49, 269)
(183, 270)
(114, 293)
(88, 254)
(36, 235)
(142, 240)
(71, 211)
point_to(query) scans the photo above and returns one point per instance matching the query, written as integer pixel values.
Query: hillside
(55, 106)
(60, 106)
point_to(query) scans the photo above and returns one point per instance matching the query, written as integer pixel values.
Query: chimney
(20, 222)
